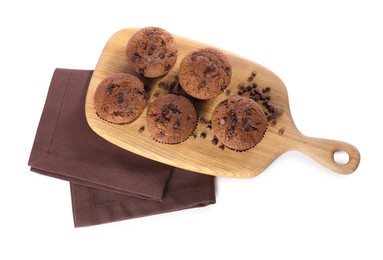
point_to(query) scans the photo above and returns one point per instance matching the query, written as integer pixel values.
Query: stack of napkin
(107, 183)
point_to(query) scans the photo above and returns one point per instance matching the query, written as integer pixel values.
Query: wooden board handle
(323, 151)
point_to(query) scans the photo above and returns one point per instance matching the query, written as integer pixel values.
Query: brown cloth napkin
(107, 183)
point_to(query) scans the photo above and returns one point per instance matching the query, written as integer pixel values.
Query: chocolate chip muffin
(120, 98)
(205, 73)
(151, 52)
(171, 118)
(239, 123)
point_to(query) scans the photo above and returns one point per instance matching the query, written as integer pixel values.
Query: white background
(329, 55)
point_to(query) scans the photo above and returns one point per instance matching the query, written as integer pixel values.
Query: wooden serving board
(199, 154)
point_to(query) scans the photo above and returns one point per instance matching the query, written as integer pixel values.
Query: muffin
(239, 123)
(120, 98)
(171, 118)
(151, 52)
(205, 73)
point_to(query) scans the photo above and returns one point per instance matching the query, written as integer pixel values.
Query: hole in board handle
(341, 157)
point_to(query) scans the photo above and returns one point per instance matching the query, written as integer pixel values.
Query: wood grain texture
(200, 155)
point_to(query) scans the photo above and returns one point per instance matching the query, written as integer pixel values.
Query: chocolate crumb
(266, 89)
(202, 120)
(202, 83)
(228, 92)
(281, 131)
(167, 67)
(141, 71)
(274, 122)
(161, 84)
(250, 78)
(221, 147)
(208, 128)
(253, 73)
(203, 135)
(242, 84)
(156, 94)
(240, 92)
(193, 57)
(142, 128)
(255, 85)
(193, 136)
(214, 141)
(120, 97)
(110, 88)
(249, 88)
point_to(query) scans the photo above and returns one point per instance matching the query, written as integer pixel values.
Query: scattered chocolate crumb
(250, 78)
(241, 84)
(249, 88)
(141, 71)
(142, 128)
(269, 118)
(176, 125)
(156, 94)
(214, 141)
(208, 128)
(240, 92)
(193, 136)
(274, 122)
(203, 121)
(253, 73)
(266, 89)
(167, 67)
(193, 57)
(255, 85)
(203, 135)
(161, 84)
(281, 131)
(228, 92)
(221, 147)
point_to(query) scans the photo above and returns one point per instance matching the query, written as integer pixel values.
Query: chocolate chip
(222, 121)
(120, 97)
(249, 88)
(208, 128)
(281, 131)
(150, 51)
(221, 147)
(228, 71)
(110, 88)
(162, 119)
(203, 135)
(156, 94)
(240, 92)
(255, 85)
(247, 129)
(167, 67)
(228, 92)
(161, 84)
(214, 141)
(150, 33)
(161, 55)
(141, 71)
(142, 128)
(176, 125)
(250, 78)
(242, 84)
(171, 106)
(202, 120)
(212, 68)
(188, 117)
(193, 57)
(143, 45)
(269, 118)
(223, 87)
(274, 122)
(165, 111)
(135, 57)
(202, 83)
(253, 73)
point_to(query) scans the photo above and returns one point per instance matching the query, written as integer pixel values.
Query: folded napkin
(107, 183)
